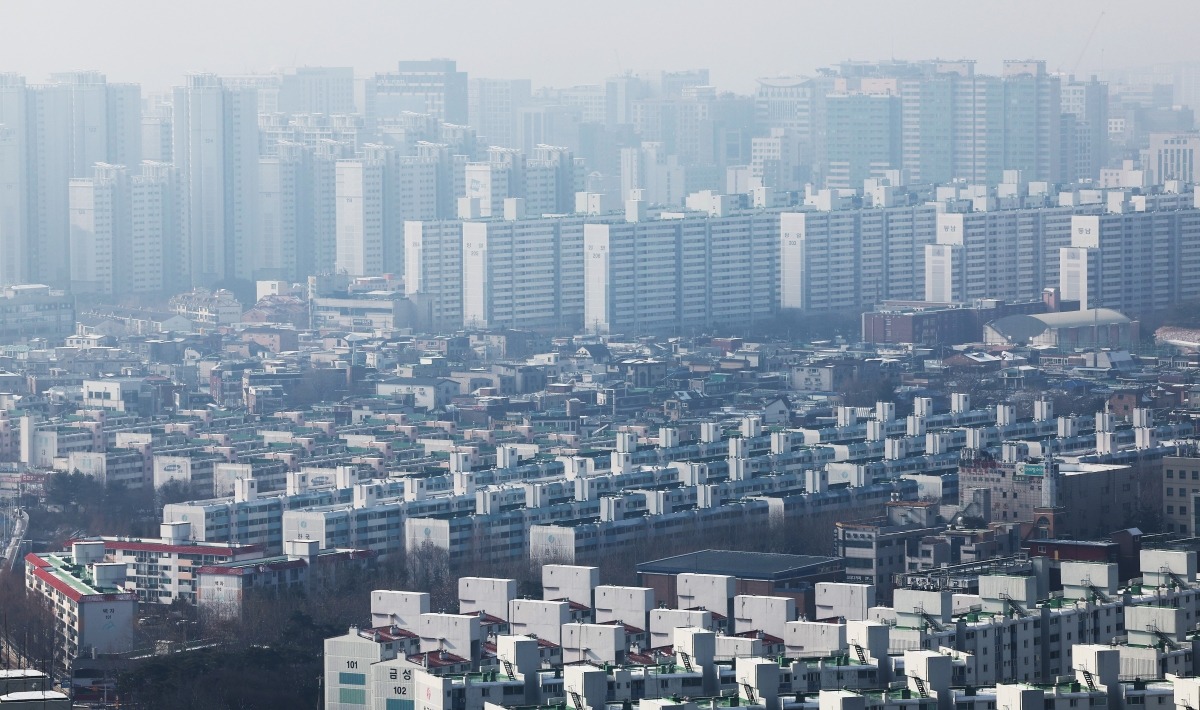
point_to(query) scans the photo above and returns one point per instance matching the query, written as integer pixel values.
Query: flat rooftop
(70, 579)
(743, 565)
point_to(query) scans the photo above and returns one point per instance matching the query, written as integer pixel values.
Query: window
(352, 696)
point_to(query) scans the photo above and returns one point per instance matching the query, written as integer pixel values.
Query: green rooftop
(75, 576)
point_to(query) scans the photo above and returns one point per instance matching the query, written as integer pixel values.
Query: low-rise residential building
(207, 309)
(164, 570)
(93, 611)
(30, 311)
(135, 395)
(222, 588)
(1095, 645)
(1181, 490)
(428, 393)
(874, 551)
(793, 577)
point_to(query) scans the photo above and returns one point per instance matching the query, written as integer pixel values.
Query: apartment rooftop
(743, 565)
(69, 578)
(280, 562)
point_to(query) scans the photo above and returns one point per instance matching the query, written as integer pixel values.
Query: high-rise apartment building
(493, 106)
(361, 221)
(450, 176)
(694, 271)
(775, 160)
(264, 86)
(590, 99)
(317, 90)
(104, 120)
(433, 87)
(488, 184)
(525, 273)
(52, 133)
(841, 259)
(307, 129)
(101, 230)
(786, 102)
(1032, 120)
(953, 122)
(376, 193)
(1007, 254)
(660, 178)
(284, 213)
(556, 124)
(1086, 102)
(124, 229)
(417, 186)
(156, 128)
(215, 147)
(552, 177)
(1131, 261)
(1172, 156)
(673, 84)
(487, 187)
(158, 209)
(14, 184)
(433, 272)
(321, 258)
(863, 137)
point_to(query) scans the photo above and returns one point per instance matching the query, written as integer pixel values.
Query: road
(13, 544)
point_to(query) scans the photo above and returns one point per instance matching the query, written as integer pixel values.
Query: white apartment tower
(1086, 102)
(660, 177)
(317, 90)
(433, 270)
(321, 257)
(493, 105)
(156, 128)
(158, 210)
(525, 273)
(50, 134)
(284, 212)
(1172, 156)
(14, 185)
(551, 181)
(417, 187)
(1008, 254)
(695, 271)
(433, 87)
(1097, 269)
(451, 177)
(838, 259)
(215, 146)
(489, 184)
(101, 230)
(360, 216)
(548, 125)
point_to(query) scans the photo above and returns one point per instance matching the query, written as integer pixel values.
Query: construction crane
(1088, 42)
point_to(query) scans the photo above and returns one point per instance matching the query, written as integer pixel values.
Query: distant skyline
(558, 43)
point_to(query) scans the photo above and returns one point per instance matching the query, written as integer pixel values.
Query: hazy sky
(564, 42)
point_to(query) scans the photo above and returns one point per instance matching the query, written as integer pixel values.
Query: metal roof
(743, 565)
